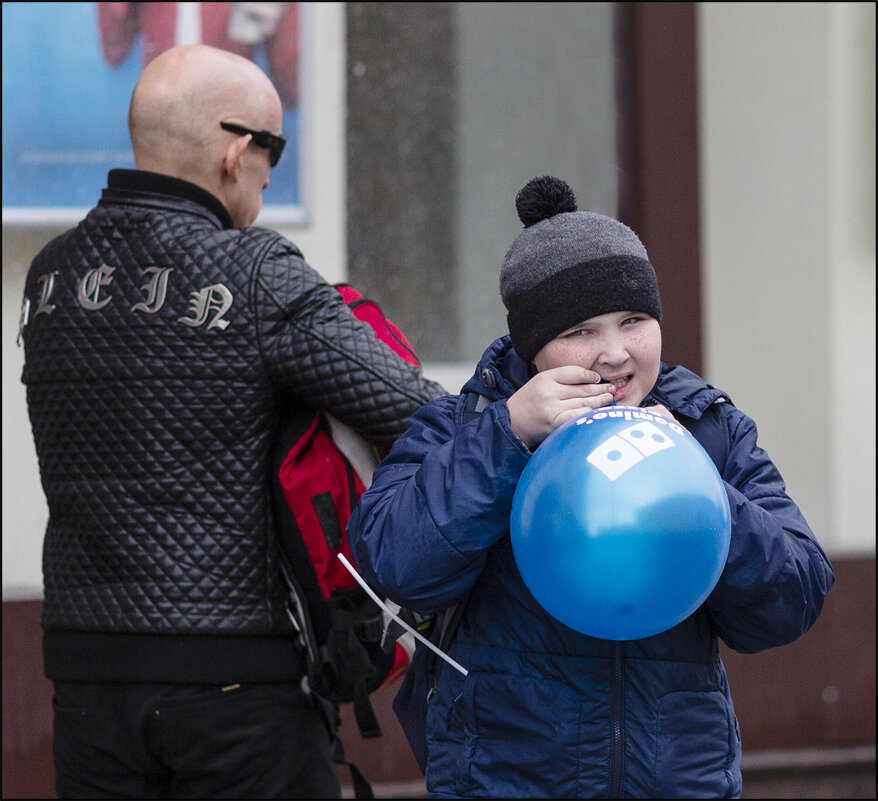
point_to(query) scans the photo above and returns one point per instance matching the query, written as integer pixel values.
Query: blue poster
(68, 73)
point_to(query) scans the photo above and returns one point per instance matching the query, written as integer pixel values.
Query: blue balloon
(620, 524)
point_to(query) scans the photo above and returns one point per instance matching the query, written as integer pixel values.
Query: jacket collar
(683, 392)
(141, 182)
(499, 372)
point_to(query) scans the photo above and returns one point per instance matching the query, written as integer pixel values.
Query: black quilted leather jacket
(161, 345)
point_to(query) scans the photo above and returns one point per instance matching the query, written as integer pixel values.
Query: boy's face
(624, 348)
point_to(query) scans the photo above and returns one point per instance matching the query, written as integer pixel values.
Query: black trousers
(190, 741)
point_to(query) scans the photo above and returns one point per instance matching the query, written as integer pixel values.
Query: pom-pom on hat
(569, 265)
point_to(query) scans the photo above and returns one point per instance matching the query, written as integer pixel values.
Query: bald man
(164, 339)
(176, 115)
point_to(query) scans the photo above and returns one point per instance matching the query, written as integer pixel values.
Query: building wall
(787, 117)
(806, 711)
(785, 309)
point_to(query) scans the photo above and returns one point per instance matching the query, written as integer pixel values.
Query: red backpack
(318, 475)
(316, 488)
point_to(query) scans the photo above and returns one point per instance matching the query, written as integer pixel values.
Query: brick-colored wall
(819, 690)
(817, 693)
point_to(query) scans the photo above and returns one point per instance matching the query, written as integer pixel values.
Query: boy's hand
(553, 397)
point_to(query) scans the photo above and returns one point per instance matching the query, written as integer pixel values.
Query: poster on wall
(68, 73)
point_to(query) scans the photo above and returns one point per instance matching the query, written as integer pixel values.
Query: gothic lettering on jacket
(47, 287)
(90, 288)
(202, 302)
(208, 305)
(156, 289)
(22, 321)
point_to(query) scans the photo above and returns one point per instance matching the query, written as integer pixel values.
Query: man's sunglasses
(273, 143)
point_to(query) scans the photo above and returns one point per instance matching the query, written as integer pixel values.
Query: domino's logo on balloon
(623, 450)
(620, 524)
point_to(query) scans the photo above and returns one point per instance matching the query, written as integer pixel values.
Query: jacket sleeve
(776, 576)
(437, 503)
(318, 353)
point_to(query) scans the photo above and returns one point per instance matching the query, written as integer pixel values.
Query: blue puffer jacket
(546, 711)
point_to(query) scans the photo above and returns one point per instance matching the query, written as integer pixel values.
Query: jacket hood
(501, 371)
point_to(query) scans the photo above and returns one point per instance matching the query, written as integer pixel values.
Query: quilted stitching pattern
(154, 434)
(339, 367)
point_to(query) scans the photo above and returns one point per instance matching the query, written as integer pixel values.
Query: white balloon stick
(397, 618)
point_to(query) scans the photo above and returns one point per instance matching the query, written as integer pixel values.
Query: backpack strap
(470, 406)
(450, 620)
(362, 788)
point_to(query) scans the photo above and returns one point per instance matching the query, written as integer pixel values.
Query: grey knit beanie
(567, 266)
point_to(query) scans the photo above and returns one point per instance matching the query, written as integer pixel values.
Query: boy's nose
(613, 351)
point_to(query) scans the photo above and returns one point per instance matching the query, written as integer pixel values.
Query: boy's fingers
(574, 374)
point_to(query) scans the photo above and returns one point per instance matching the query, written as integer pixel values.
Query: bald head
(179, 101)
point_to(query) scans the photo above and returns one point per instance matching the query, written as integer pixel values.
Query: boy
(546, 711)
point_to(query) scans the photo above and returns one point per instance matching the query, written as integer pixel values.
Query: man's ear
(234, 156)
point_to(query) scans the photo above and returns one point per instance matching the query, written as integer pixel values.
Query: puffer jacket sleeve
(317, 352)
(437, 503)
(776, 576)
